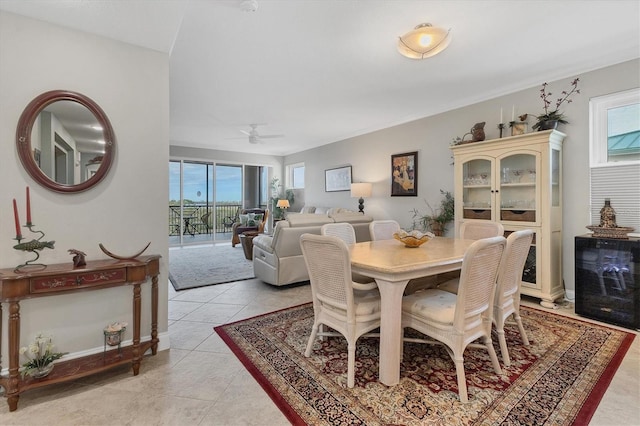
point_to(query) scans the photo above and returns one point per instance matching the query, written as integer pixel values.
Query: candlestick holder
(32, 246)
(501, 128)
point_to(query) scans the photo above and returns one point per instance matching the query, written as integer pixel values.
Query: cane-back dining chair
(383, 229)
(458, 320)
(336, 303)
(346, 233)
(507, 300)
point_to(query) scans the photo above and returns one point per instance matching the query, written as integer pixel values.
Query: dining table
(392, 265)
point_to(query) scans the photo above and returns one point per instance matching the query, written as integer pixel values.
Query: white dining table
(392, 265)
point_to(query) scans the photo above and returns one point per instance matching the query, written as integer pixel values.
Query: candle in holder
(513, 113)
(17, 219)
(501, 115)
(28, 208)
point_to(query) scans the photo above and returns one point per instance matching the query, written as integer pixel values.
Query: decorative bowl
(413, 239)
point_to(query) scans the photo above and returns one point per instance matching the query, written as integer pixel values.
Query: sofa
(277, 258)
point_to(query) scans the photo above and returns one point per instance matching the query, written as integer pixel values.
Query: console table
(64, 279)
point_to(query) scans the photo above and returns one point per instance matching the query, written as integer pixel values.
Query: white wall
(369, 155)
(125, 211)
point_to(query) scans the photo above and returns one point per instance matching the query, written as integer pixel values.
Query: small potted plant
(550, 119)
(40, 357)
(436, 221)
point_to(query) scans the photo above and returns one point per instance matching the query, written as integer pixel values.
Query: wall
(125, 211)
(431, 136)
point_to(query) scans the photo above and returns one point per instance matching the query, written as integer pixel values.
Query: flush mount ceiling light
(249, 5)
(424, 41)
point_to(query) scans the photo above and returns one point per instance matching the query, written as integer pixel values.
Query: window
(295, 176)
(615, 156)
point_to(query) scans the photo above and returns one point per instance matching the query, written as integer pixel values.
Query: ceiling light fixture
(249, 6)
(424, 41)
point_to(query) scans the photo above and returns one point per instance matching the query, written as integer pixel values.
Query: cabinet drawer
(518, 215)
(80, 280)
(476, 214)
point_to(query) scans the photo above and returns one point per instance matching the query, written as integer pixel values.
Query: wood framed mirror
(65, 141)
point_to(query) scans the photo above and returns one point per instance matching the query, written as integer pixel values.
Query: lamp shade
(424, 41)
(283, 204)
(361, 190)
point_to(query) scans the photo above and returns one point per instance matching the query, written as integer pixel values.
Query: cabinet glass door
(518, 180)
(476, 184)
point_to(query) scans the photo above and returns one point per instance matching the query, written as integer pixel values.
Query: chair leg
(492, 354)
(351, 366)
(462, 381)
(523, 334)
(312, 338)
(503, 346)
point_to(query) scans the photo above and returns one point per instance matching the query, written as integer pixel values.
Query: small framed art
(404, 175)
(338, 179)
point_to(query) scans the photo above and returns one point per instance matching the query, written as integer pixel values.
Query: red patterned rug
(558, 380)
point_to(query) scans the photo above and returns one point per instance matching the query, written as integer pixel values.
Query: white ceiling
(319, 71)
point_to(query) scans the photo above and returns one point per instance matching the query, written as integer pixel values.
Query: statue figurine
(78, 259)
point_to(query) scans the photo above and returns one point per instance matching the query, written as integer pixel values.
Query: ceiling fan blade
(270, 136)
(245, 132)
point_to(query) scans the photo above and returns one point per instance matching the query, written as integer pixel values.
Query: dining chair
(351, 313)
(458, 320)
(507, 297)
(346, 233)
(472, 230)
(478, 229)
(383, 229)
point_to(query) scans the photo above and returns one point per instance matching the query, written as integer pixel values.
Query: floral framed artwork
(338, 179)
(404, 175)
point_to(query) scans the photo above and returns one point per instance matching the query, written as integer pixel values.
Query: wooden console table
(63, 279)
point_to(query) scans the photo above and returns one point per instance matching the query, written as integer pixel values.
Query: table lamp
(361, 190)
(284, 205)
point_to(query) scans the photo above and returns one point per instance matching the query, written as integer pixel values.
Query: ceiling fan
(255, 137)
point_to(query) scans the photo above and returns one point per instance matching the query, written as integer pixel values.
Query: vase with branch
(551, 117)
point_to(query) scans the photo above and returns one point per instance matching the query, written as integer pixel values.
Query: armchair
(245, 225)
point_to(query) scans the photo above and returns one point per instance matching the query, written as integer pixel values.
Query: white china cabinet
(517, 181)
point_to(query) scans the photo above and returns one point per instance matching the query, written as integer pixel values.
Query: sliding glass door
(205, 199)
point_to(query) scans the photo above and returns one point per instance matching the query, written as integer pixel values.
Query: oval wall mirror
(65, 141)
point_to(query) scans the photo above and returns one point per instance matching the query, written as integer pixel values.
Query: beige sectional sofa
(277, 258)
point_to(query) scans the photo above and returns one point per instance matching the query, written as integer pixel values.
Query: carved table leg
(154, 314)
(13, 389)
(136, 329)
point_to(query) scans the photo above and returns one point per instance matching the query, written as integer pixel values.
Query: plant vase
(437, 228)
(40, 372)
(548, 125)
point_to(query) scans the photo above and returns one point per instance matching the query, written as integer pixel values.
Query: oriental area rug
(199, 266)
(558, 379)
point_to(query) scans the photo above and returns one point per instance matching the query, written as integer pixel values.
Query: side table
(246, 238)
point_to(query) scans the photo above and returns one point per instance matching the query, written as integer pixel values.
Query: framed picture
(36, 156)
(404, 175)
(338, 179)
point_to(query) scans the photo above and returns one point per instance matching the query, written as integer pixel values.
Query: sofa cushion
(243, 219)
(308, 209)
(351, 217)
(308, 219)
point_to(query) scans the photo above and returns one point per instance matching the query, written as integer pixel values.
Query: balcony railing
(202, 218)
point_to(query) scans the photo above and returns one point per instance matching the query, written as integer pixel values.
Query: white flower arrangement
(39, 354)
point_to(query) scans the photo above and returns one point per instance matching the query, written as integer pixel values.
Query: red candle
(28, 207)
(15, 215)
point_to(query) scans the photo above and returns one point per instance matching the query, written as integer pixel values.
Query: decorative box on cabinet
(608, 279)
(64, 279)
(517, 181)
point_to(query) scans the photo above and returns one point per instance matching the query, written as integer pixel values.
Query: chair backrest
(476, 290)
(329, 266)
(383, 229)
(515, 256)
(342, 230)
(479, 229)
(262, 224)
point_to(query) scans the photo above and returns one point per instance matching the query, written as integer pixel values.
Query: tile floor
(200, 382)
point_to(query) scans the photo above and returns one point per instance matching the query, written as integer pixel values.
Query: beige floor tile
(214, 313)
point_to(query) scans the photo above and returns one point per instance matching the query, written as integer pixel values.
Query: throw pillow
(251, 220)
(243, 219)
